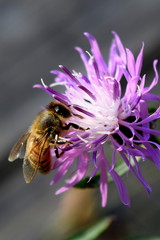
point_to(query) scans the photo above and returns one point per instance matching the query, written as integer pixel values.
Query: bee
(45, 133)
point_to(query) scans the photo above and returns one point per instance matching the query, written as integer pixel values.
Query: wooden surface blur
(35, 37)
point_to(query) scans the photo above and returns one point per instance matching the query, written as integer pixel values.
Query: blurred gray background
(35, 37)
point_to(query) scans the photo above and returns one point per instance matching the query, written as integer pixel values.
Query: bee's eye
(61, 110)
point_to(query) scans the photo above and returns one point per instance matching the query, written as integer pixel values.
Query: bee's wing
(18, 149)
(29, 171)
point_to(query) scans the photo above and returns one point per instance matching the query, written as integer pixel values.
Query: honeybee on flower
(123, 120)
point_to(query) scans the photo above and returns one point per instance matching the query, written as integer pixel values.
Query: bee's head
(60, 109)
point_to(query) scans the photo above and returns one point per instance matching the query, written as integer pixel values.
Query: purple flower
(112, 119)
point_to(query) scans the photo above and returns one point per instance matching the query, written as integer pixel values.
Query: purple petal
(94, 157)
(116, 90)
(118, 181)
(147, 142)
(113, 159)
(61, 100)
(142, 84)
(69, 74)
(103, 184)
(150, 96)
(84, 111)
(62, 76)
(144, 115)
(101, 139)
(112, 63)
(85, 78)
(62, 170)
(152, 117)
(80, 173)
(96, 52)
(74, 139)
(87, 91)
(140, 178)
(96, 68)
(84, 59)
(94, 171)
(124, 196)
(120, 47)
(130, 63)
(60, 97)
(152, 155)
(155, 80)
(139, 61)
(148, 130)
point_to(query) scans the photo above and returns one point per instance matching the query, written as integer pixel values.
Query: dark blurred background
(35, 37)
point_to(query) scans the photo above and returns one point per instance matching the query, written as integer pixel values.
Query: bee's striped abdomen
(42, 159)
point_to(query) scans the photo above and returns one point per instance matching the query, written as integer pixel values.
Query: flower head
(121, 120)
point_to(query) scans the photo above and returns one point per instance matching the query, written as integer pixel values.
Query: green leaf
(151, 110)
(121, 168)
(94, 231)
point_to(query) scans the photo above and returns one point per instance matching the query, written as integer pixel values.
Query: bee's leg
(56, 152)
(74, 126)
(60, 141)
